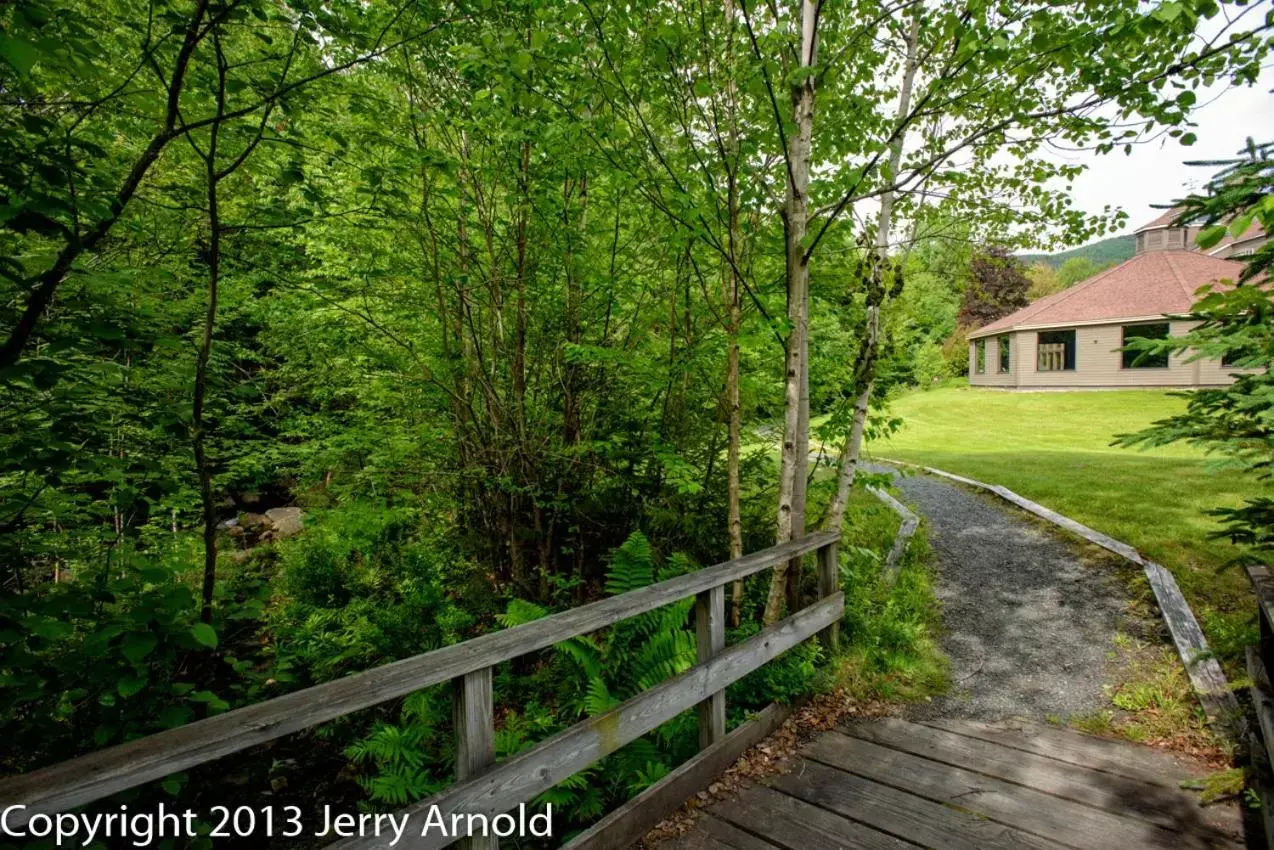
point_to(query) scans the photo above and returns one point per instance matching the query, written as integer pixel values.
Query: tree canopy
(507, 299)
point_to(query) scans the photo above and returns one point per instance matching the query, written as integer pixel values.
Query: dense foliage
(1235, 324)
(998, 286)
(507, 300)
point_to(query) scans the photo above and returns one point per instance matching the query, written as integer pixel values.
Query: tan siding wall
(993, 377)
(1098, 363)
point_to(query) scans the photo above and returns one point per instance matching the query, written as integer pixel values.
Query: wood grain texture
(73, 783)
(529, 773)
(1156, 767)
(829, 584)
(639, 815)
(899, 813)
(1262, 704)
(1206, 678)
(1026, 809)
(710, 640)
(729, 834)
(473, 714)
(1169, 808)
(793, 823)
(910, 522)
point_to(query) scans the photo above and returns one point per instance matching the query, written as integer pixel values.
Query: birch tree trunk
(865, 377)
(732, 293)
(791, 516)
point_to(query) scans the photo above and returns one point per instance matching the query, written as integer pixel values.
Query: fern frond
(598, 699)
(584, 652)
(632, 565)
(679, 563)
(520, 612)
(663, 656)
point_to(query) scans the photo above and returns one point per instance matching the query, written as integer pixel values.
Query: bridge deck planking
(895, 784)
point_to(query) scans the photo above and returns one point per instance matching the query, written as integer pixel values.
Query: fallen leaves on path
(771, 757)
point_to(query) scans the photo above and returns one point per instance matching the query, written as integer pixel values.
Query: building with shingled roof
(1073, 338)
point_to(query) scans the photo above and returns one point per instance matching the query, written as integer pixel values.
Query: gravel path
(1027, 625)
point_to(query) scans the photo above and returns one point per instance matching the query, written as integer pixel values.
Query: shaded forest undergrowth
(365, 583)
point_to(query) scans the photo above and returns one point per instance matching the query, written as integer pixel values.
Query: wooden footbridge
(893, 785)
(887, 784)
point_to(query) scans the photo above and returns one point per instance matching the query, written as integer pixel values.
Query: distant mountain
(1108, 251)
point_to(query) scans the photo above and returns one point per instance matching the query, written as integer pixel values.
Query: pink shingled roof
(1152, 284)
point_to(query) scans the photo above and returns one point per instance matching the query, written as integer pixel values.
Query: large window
(1139, 358)
(979, 349)
(1004, 353)
(1055, 351)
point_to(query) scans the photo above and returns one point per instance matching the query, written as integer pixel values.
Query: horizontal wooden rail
(531, 772)
(73, 783)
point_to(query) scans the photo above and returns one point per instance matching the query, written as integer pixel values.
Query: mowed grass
(1054, 448)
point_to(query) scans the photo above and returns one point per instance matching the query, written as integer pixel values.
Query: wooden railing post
(828, 584)
(710, 634)
(473, 712)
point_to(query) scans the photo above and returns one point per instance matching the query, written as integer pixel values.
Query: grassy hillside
(1055, 448)
(1113, 250)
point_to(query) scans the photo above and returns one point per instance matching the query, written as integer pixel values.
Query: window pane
(1145, 359)
(1004, 354)
(981, 348)
(1055, 351)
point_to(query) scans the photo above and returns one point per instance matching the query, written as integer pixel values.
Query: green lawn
(1055, 448)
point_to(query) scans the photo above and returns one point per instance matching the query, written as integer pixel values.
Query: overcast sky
(1154, 173)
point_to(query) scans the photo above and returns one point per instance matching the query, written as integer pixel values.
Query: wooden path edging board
(909, 524)
(1204, 672)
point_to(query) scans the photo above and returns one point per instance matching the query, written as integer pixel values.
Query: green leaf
(138, 645)
(205, 634)
(48, 628)
(1210, 236)
(1189, 139)
(20, 54)
(129, 687)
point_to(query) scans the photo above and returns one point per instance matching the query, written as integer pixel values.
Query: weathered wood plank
(473, 714)
(1156, 767)
(828, 584)
(907, 816)
(1204, 672)
(639, 815)
(699, 838)
(1266, 800)
(1263, 586)
(710, 640)
(910, 522)
(790, 822)
(1262, 701)
(1263, 745)
(73, 783)
(533, 771)
(1170, 808)
(730, 834)
(1026, 809)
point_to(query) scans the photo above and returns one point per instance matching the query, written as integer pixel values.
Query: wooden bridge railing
(484, 787)
(1260, 660)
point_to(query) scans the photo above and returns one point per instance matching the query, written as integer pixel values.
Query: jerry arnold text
(143, 828)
